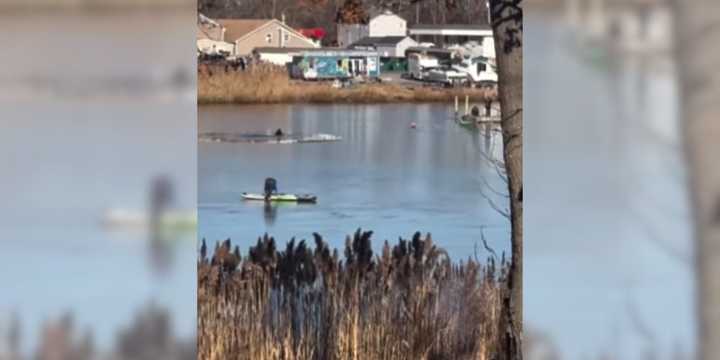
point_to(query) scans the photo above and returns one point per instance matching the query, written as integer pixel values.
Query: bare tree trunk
(698, 31)
(417, 12)
(508, 31)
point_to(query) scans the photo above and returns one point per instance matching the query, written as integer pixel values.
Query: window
(481, 67)
(286, 37)
(268, 38)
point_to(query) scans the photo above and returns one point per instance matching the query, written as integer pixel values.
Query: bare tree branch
(505, 213)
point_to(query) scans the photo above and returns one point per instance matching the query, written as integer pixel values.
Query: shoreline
(271, 85)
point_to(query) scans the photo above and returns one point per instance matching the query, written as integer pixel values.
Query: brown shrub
(410, 302)
(264, 83)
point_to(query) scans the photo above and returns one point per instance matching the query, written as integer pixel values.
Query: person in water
(270, 188)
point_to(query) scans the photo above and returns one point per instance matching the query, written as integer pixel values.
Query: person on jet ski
(270, 188)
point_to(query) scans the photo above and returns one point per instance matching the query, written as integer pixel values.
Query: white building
(277, 56)
(387, 46)
(387, 24)
(453, 35)
(210, 37)
(382, 24)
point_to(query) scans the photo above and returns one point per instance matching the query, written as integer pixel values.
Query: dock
(489, 113)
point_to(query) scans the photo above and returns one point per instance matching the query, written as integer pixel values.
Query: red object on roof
(313, 33)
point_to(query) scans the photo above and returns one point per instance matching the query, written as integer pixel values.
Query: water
(608, 240)
(383, 176)
(81, 135)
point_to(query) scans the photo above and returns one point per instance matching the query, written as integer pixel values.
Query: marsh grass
(409, 302)
(264, 83)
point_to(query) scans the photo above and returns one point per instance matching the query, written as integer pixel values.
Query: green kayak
(300, 198)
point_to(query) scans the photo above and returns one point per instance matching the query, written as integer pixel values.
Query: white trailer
(479, 70)
(420, 64)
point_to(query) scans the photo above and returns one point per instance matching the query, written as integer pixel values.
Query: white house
(210, 37)
(449, 35)
(387, 24)
(386, 46)
(248, 34)
(381, 24)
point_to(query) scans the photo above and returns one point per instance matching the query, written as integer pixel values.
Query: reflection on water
(606, 218)
(90, 116)
(270, 212)
(384, 175)
(97, 56)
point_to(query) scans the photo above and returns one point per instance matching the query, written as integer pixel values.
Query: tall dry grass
(409, 302)
(265, 83)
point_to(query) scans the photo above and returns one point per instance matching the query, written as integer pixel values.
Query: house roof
(238, 28)
(450, 26)
(206, 32)
(378, 40)
(438, 52)
(337, 52)
(201, 33)
(208, 29)
(202, 19)
(278, 50)
(422, 49)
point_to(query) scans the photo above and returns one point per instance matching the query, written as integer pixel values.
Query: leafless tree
(323, 13)
(697, 32)
(507, 24)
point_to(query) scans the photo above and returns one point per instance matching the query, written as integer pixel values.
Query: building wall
(277, 59)
(397, 50)
(387, 25)
(387, 51)
(404, 45)
(273, 35)
(338, 67)
(488, 44)
(350, 33)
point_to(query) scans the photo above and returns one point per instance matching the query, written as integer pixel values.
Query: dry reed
(265, 83)
(410, 302)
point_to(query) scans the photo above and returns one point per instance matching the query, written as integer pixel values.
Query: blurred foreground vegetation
(409, 302)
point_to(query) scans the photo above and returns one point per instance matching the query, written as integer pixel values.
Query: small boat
(281, 197)
(467, 120)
